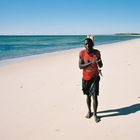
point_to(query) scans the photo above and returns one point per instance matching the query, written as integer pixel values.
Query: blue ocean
(20, 46)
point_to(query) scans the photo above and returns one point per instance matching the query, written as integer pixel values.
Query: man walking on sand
(90, 61)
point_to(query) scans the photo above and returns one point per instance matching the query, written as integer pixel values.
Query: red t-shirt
(92, 70)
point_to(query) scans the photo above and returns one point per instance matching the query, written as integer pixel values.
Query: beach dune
(41, 98)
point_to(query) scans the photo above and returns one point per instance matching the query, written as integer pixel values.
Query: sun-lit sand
(41, 98)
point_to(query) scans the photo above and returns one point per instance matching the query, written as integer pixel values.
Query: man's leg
(88, 100)
(95, 106)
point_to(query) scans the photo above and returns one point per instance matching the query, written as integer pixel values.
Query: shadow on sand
(121, 111)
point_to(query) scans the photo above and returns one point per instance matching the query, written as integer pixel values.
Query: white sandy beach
(41, 98)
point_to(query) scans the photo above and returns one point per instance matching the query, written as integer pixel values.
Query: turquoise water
(19, 46)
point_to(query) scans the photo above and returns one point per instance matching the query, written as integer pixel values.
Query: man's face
(88, 46)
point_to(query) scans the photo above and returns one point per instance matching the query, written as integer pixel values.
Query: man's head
(91, 37)
(88, 43)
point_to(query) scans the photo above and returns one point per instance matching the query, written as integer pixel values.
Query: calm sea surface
(19, 46)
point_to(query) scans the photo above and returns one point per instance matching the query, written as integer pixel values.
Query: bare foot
(97, 119)
(89, 115)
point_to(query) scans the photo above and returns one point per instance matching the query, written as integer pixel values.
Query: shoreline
(33, 57)
(37, 56)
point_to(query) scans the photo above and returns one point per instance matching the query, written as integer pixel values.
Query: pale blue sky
(69, 16)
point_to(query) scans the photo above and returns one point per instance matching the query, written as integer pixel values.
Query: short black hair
(89, 41)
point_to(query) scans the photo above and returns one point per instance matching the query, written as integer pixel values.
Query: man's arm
(99, 60)
(82, 64)
(100, 63)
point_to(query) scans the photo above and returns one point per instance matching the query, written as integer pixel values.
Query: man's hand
(94, 61)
